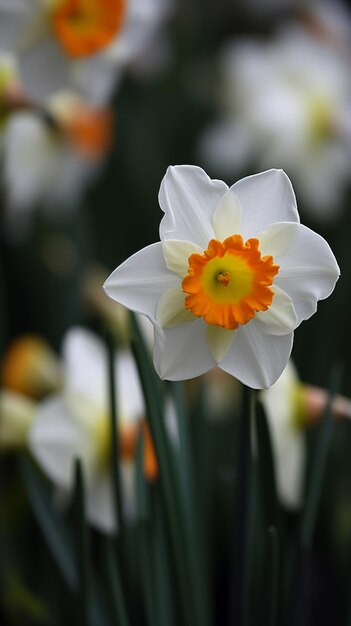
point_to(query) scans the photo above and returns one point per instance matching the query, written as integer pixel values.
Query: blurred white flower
(50, 155)
(232, 277)
(76, 424)
(285, 411)
(287, 102)
(75, 43)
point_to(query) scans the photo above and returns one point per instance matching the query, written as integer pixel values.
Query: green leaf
(198, 565)
(318, 469)
(242, 547)
(144, 538)
(82, 543)
(114, 431)
(174, 506)
(268, 606)
(51, 523)
(114, 586)
(90, 605)
(266, 474)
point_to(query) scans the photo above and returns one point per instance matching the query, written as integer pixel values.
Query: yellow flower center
(320, 119)
(85, 27)
(230, 282)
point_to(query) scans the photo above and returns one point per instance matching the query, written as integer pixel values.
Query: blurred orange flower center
(230, 282)
(90, 131)
(85, 27)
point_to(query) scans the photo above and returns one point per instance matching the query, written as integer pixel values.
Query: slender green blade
(53, 528)
(318, 470)
(144, 538)
(114, 586)
(266, 474)
(268, 607)
(239, 609)
(114, 431)
(169, 486)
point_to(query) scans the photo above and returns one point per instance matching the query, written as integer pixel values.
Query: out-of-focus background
(234, 87)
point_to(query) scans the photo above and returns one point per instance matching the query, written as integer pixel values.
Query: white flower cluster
(285, 101)
(60, 63)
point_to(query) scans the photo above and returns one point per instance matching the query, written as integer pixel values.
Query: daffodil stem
(143, 536)
(266, 473)
(52, 526)
(169, 487)
(199, 573)
(82, 544)
(114, 585)
(298, 597)
(268, 604)
(318, 469)
(115, 449)
(242, 545)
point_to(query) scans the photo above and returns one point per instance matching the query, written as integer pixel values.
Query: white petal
(56, 438)
(277, 239)
(44, 68)
(182, 352)
(281, 317)
(85, 359)
(141, 280)
(100, 507)
(189, 197)
(15, 15)
(257, 359)
(265, 198)
(130, 399)
(171, 310)
(219, 341)
(287, 440)
(31, 160)
(308, 269)
(227, 216)
(95, 78)
(176, 254)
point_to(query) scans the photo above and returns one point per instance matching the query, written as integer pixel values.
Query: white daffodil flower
(287, 433)
(286, 102)
(50, 156)
(75, 424)
(232, 277)
(77, 43)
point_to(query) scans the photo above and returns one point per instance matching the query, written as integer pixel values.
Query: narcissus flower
(77, 43)
(232, 277)
(76, 424)
(286, 102)
(292, 407)
(51, 154)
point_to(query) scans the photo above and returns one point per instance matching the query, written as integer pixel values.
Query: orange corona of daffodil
(229, 282)
(84, 27)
